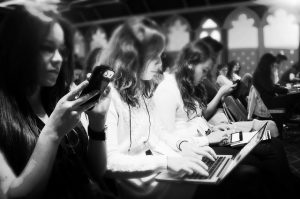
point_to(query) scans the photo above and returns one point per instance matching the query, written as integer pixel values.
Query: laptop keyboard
(212, 168)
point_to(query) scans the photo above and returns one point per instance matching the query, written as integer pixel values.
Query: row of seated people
(55, 145)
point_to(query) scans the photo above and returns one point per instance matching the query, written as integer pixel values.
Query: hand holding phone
(98, 81)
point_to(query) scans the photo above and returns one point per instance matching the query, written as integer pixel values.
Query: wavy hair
(191, 55)
(129, 50)
(22, 33)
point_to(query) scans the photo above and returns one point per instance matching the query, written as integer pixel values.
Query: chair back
(234, 109)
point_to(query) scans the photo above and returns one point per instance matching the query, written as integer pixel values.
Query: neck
(36, 104)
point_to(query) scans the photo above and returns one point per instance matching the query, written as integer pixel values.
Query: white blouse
(169, 108)
(126, 150)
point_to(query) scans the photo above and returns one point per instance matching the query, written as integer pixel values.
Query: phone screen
(99, 80)
(235, 137)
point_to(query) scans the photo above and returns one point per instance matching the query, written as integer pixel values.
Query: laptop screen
(248, 147)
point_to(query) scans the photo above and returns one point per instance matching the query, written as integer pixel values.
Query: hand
(219, 137)
(191, 150)
(221, 127)
(97, 115)
(67, 111)
(183, 166)
(226, 89)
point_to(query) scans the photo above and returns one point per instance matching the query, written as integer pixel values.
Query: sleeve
(121, 163)
(166, 104)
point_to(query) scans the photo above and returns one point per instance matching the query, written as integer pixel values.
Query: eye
(48, 48)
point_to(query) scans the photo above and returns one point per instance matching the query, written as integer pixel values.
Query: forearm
(134, 166)
(97, 157)
(212, 106)
(33, 180)
(97, 149)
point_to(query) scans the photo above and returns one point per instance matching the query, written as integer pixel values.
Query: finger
(198, 169)
(85, 98)
(211, 151)
(76, 91)
(88, 106)
(201, 151)
(106, 92)
(199, 162)
(207, 154)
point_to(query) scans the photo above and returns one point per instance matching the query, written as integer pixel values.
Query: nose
(57, 57)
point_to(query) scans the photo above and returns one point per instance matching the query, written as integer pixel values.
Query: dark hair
(131, 46)
(220, 67)
(22, 33)
(214, 44)
(280, 58)
(263, 71)
(231, 65)
(191, 55)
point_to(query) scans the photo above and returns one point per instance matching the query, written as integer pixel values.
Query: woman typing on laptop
(179, 102)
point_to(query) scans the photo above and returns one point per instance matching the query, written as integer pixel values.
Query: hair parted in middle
(131, 47)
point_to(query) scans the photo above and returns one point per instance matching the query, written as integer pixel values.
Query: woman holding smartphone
(45, 150)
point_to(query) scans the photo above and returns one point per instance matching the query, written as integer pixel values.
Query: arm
(213, 104)
(33, 179)
(166, 105)
(96, 152)
(121, 163)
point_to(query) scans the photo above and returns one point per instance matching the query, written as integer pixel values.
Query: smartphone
(98, 81)
(236, 137)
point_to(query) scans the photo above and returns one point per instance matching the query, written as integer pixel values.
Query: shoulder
(168, 84)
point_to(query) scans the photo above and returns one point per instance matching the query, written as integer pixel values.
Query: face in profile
(237, 67)
(201, 70)
(51, 53)
(224, 71)
(153, 67)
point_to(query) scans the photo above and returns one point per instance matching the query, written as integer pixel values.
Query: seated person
(292, 75)
(273, 95)
(178, 104)
(222, 79)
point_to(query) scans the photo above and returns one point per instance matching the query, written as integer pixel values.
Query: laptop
(218, 169)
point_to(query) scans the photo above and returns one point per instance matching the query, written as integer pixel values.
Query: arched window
(177, 27)
(96, 38)
(208, 27)
(281, 35)
(243, 38)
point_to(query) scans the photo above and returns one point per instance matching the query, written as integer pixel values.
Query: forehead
(55, 35)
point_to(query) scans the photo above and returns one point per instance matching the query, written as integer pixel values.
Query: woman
(44, 149)
(222, 79)
(273, 95)
(179, 102)
(135, 154)
(234, 69)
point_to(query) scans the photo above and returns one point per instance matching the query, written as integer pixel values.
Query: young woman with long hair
(179, 101)
(45, 151)
(135, 154)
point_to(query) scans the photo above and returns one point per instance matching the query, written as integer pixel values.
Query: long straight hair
(194, 53)
(22, 33)
(263, 72)
(129, 50)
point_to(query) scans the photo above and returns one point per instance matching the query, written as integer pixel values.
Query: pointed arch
(243, 23)
(281, 33)
(177, 27)
(209, 27)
